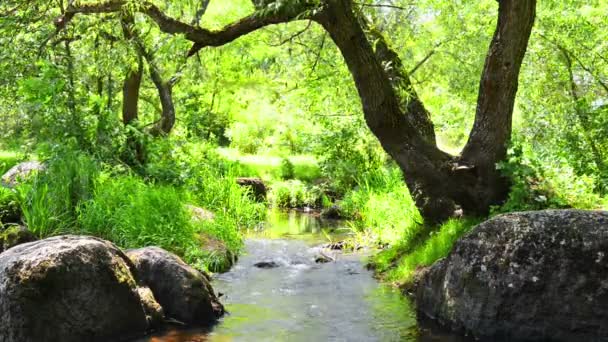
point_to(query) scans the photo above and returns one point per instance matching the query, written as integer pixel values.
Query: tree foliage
(270, 77)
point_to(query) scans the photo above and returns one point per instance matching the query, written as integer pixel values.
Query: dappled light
(375, 170)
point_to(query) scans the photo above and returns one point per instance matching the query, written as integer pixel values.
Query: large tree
(439, 182)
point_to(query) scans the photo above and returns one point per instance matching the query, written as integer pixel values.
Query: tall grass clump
(208, 181)
(132, 214)
(49, 199)
(399, 263)
(294, 194)
(381, 207)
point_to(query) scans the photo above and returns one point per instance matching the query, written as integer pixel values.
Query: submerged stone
(266, 264)
(525, 276)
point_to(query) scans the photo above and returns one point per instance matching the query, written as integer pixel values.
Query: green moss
(13, 236)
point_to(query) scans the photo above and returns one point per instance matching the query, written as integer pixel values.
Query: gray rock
(68, 288)
(533, 276)
(200, 214)
(13, 235)
(184, 293)
(20, 172)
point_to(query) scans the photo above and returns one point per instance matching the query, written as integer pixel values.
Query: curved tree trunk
(165, 93)
(439, 183)
(402, 125)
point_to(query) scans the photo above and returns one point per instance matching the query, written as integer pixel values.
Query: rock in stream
(184, 293)
(68, 288)
(533, 276)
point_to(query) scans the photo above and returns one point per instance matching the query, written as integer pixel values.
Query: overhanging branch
(200, 36)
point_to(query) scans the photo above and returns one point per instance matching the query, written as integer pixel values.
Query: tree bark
(165, 94)
(132, 85)
(130, 93)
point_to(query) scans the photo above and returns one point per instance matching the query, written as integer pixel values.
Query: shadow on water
(303, 301)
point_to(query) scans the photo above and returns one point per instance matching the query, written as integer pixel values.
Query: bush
(295, 194)
(537, 185)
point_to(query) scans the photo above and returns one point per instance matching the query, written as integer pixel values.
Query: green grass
(383, 212)
(49, 200)
(8, 159)
(398, 264)
(132, 214)
(79, 195)
(381, 208)
(267, 167)
(295, 194)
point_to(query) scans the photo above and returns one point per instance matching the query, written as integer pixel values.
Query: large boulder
(68, 288)
(533, 276)
(20, 172)
(184, 293)
(13, 235)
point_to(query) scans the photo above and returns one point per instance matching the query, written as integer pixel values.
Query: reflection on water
(309, 227)
(301, 300)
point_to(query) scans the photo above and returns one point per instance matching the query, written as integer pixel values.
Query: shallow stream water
(301, 300)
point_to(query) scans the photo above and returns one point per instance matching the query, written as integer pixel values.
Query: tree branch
(200, 36)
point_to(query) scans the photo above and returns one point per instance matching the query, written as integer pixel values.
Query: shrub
(537, 185)
(295, 194)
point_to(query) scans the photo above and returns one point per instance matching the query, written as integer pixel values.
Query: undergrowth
(78, 194)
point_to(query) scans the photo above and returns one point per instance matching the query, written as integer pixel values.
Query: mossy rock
(184, 293)
(220, 257)
(529, 276)
(69, 289)
(14, 235)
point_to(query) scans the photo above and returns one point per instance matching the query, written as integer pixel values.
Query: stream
(300, 300)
